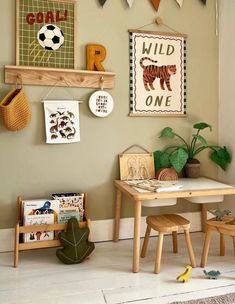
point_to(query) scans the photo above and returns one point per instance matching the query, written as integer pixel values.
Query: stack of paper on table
(154, 185)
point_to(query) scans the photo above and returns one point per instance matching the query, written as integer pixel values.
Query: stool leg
(158, 253)
(222, 245)
(146, 241)
(174, 240)
(190, 248)
(206, 248)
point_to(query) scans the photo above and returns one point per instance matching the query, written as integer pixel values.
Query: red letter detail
(30, 18)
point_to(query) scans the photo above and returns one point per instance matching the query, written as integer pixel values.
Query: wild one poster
(157, 74)
(45, 33)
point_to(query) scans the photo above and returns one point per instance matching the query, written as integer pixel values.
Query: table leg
(136, 245)
(16, 250)
(118, 204)
(203, 216)
(233, 244)
(222, 245)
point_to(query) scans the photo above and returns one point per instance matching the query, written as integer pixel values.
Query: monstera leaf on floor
(75, 242)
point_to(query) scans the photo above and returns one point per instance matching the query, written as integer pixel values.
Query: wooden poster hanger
(159, 21)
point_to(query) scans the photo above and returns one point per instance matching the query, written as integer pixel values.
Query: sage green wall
(33, 169)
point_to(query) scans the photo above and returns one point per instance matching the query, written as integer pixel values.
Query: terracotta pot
(192, 168)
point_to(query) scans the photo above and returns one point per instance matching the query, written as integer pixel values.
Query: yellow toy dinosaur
(185, 276)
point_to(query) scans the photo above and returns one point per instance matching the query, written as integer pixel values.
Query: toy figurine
(213, 274)
(185, 276)
(219, 214)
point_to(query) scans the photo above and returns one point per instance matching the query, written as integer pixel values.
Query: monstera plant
(182, 152)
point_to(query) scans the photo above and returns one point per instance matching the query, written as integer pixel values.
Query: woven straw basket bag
(15, 110)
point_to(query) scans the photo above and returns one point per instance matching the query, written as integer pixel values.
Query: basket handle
(138, 146)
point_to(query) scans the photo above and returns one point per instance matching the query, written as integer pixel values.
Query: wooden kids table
(199, 190)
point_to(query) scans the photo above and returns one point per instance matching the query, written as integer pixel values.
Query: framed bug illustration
(157, 73)
(46, 33)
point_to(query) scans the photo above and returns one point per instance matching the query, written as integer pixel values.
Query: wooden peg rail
(59, 77)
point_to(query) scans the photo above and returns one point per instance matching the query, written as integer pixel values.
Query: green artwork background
(30, 51)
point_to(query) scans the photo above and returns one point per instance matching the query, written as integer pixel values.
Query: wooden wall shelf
(59, 77)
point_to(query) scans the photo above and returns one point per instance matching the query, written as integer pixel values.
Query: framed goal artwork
(157, 74)
(46, 33)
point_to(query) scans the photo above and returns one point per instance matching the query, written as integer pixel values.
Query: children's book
(38, 236)
(38, 212)
(65, 216)
(71, 203)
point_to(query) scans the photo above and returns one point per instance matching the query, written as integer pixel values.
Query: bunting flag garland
(130, 2)
(156, 4)
(180, 2)
(102, 2)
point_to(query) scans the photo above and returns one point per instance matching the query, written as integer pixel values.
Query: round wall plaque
(101, 103)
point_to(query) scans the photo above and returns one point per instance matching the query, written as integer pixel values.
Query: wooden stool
(222, 228)
(163, 224)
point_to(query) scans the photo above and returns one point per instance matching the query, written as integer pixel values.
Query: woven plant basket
(167, 174)
(15, 110)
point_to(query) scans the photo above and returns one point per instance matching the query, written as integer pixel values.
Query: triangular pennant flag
(130, 2)
(102, 2)
(156, 4)
(180, 2)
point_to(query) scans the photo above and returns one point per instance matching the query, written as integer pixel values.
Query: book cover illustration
(38, 219)
(38, 212)
(65, 216)
(71, 203)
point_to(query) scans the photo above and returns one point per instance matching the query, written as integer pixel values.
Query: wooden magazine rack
(20, 229)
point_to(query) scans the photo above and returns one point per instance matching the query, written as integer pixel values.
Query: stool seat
(223, 228)
(167, 222)
(163, 224)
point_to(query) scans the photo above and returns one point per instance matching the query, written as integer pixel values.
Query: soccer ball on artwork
(50, 37)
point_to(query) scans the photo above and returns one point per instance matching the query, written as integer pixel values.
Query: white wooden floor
(106, 276)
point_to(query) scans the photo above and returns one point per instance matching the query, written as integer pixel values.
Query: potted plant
(183, 154)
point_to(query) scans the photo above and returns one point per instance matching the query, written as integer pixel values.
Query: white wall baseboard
(7, 237)
(103, 230)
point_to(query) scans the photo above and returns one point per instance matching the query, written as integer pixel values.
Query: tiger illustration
(151, 72)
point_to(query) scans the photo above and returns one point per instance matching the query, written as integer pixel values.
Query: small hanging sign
(62, 121)
(101, 103)
(157, 73)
